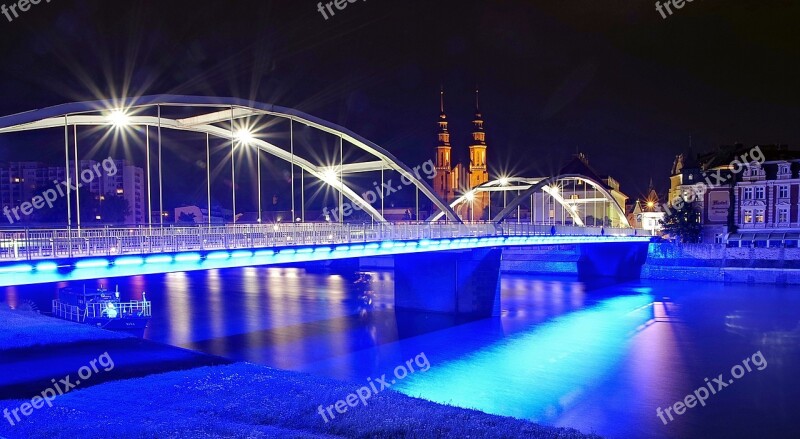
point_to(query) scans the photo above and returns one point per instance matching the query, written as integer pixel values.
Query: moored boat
(102, 309)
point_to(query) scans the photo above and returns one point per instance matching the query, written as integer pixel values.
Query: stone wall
(716, 263)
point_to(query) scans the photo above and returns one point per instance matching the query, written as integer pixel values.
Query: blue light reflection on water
(611, 364)
(538, 373)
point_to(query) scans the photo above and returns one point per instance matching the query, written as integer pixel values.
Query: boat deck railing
(101, 310)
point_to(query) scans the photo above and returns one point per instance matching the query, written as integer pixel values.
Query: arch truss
(218, 117)
(576, 195)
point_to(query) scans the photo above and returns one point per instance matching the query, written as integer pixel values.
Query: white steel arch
(545, 185)
(530, 186)
(95, 113)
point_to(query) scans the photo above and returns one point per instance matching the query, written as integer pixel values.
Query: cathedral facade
(454, 180)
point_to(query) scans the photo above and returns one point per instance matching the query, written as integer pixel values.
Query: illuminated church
(451, 181)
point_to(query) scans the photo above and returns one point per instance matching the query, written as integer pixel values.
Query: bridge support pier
(453, 282)
(622, 261)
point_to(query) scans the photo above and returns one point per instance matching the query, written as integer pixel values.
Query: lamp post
(471, 199)
(245, 138)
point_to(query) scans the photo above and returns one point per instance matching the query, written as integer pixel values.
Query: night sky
(610, 78)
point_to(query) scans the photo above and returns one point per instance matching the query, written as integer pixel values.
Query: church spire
(442, 183)
(444, 134)
(478, 135)
(477, 100)
(441, 97)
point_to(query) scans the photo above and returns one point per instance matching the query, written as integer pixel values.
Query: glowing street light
(244, 136)
(119, 119)
(504, 181)
(471, 198)
(330, 176)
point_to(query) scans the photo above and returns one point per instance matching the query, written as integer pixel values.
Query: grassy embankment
(157, 391)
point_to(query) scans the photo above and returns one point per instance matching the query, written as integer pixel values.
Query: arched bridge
(557, 208)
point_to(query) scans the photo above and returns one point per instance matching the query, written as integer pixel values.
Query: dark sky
(610, 78)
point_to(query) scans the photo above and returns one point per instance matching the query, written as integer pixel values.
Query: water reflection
(593, 355)
(539, 373)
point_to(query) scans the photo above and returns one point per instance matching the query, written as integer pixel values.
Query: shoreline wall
(702, 262)
(717, 263)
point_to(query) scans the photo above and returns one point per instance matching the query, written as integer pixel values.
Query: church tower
(441, 183)
(478, 172)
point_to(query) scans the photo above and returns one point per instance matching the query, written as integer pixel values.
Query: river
(597, 356)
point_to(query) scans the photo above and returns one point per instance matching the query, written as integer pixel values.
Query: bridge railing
(32, 244)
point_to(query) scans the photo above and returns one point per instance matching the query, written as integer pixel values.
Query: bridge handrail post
(27, 245)
(69, 241)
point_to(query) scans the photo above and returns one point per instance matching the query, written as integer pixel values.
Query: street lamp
(245, 137)
(330, 176)
(471, 198)
(119, 119)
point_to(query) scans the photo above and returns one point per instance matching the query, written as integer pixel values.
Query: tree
(683, 222)
(187, 218)
(113, 208)
(58, 213)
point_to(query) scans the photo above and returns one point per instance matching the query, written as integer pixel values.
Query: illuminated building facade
(453, 180)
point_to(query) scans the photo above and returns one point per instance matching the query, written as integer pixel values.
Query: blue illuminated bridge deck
(33, 256)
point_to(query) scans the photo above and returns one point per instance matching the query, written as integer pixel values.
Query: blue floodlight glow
(373, 246)
(242, 254)
(306, 250)
(46, 266)
(387, 245)
(287, 251)
(265, 254)
(343, 248)
(158, 259)
(357, 247)
(216, 256)
(129, 260)
(323, 250)
(91, 263)
(20, 268)
(188, 257)
(583, 347)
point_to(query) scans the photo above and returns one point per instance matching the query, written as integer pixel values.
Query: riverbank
(717, 263)
(668, 261)
(153, 390)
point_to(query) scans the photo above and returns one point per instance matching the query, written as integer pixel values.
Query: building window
(748, 193)
(759, 217)
(748, 216)
(783, 192)
(760, 193)
(783, 216)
